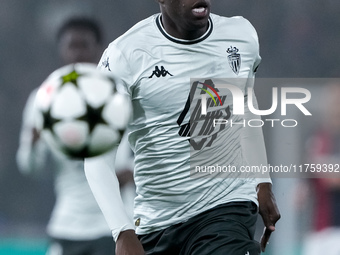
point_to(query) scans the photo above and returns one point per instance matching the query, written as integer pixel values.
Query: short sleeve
(114, 62)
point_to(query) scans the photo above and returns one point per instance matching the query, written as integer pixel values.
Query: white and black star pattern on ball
(79, 111)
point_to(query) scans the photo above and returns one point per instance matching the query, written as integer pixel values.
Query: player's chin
(200, 21)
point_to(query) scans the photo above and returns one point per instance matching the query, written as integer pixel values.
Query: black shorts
(100, 246)
(227, 229)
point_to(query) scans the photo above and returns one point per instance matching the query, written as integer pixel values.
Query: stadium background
(297, 39)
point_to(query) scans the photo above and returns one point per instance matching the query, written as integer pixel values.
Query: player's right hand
(128, 244)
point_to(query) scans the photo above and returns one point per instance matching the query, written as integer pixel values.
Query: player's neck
(178, 32)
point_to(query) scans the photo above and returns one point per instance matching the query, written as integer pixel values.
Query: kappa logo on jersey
(234, 59)
(106, 64)
(160, 72)
(199, 129)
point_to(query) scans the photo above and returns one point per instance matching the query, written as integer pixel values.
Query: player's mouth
(200, 9)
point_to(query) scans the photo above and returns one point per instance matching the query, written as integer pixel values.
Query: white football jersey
(157, 71)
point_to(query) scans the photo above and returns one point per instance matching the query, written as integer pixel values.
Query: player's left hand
(268, 210)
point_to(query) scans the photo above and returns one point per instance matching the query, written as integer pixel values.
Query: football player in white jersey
(162, 63)
(77, 225)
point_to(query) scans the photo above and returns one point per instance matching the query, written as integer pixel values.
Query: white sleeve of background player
(30, 157)
(104, 184)
(252, 140)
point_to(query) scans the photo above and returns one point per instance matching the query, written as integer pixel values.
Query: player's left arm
(255, 152)
(253, 148)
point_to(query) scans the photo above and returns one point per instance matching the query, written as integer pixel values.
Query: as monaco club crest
(234, 59)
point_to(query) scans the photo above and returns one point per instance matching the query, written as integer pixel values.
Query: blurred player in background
(175, 213)
(77, 225)
(323, 190)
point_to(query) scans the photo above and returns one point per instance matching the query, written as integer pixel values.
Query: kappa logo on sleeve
(106, 64)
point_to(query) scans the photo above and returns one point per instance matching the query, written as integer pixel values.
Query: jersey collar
(182, 41)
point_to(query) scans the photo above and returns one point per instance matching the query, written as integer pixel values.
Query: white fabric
(252, 140)
(104, 184)
(166, 194)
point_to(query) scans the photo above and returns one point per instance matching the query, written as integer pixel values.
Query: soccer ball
(80, 112)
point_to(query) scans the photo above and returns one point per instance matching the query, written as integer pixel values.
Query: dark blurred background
(298, 39)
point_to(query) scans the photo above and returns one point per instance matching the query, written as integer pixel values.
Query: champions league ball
(80, 112)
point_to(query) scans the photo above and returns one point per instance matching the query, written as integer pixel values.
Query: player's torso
(164, 67)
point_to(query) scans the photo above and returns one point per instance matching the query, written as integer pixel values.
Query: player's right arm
(100, 171)
(104, 184)
(32, 151)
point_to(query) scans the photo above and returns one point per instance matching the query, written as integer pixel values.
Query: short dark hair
(81, 23)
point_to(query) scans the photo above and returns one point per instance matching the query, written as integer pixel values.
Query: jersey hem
(181, 220)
